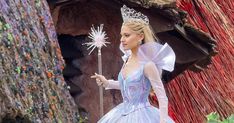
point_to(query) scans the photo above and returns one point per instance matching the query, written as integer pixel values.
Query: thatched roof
(152, 3)
(145, 3)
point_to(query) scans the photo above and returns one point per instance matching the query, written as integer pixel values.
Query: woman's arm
(107, 84)
(112, 84)
(152, 73)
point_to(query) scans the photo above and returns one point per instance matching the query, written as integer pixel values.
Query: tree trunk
(32, 88)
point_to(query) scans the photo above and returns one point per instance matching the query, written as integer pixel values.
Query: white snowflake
(98, 38)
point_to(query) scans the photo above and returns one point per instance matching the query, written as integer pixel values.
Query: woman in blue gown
(144, 60)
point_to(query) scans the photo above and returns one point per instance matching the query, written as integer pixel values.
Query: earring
(140, 42)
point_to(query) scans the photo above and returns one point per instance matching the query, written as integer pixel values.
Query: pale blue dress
(135, 108)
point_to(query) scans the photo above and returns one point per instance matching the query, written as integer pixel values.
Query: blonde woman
(144, 60)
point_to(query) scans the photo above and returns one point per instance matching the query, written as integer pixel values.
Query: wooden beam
(189, 39)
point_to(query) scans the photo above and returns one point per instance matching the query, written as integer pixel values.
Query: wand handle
(100, 87)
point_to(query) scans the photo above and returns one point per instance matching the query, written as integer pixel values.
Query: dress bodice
(135, 89)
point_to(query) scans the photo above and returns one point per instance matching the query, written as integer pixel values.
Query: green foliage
(215, 118)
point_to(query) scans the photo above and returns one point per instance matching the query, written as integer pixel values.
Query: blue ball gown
(135, 87)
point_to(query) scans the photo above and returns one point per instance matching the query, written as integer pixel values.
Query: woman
(144, 60)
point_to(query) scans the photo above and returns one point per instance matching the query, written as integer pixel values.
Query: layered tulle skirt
(143, 114)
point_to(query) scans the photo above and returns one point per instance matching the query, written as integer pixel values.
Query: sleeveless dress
(135, 107)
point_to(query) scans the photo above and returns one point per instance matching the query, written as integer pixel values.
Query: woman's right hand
(101, 80)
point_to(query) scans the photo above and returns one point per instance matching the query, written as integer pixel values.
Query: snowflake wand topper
(98, 38)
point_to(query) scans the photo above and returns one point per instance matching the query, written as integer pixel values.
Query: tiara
(132, 15)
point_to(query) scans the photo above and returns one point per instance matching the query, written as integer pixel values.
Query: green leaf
(18, 70)
(225, 121)
(10, 37)
(213, 121)
(231, 119)
(212, 116)
(7, 26)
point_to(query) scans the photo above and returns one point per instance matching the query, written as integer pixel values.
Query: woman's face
(129, 38)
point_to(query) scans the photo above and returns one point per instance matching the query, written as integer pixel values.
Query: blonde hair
(140, 27)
